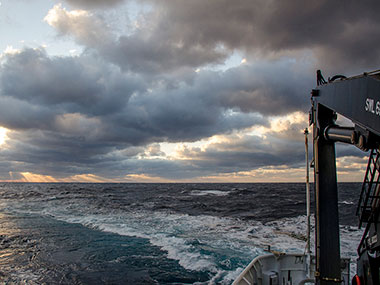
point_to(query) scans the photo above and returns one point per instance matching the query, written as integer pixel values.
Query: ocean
(73, 233)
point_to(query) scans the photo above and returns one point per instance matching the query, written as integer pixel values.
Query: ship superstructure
(357, 99)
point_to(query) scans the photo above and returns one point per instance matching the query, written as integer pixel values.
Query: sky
(172, 90)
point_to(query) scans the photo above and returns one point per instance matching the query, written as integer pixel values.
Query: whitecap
(209, 192)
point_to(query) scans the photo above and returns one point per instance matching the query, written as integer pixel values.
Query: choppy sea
(153, 233)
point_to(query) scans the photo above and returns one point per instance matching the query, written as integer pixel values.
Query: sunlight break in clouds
(57, 12)
(87, 178)
(31, 177)
(3, 135)
(144, 178)
(11, 50)
(90, 29)
(276, 174)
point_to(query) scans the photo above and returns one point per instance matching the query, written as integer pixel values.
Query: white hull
(283, 269)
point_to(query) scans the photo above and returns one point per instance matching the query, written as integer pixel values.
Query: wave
(347, 202)
(209, 192)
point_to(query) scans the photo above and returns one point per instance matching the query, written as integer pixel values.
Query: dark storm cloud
(70, 84)
(145, 49)
(341, 35)
(268, 88)
(73, 113)
(60, 94)
(349, 150)
(250, 153)
(17, 114)
(46, 81)
(340, 32)
(62, 155)
(154, 55)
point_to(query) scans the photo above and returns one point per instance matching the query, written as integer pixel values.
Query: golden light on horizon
(144, 178)
(86, 178)
(32, 177)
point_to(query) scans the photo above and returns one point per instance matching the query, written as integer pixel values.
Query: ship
(356, 98)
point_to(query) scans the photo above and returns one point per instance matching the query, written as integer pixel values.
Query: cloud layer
(162, 75)
(175, 34)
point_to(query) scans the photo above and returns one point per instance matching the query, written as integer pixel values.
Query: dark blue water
(152, 233)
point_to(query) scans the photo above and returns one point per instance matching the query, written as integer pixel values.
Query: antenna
(308, 251)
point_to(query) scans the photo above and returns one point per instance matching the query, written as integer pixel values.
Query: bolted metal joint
(339, 134)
